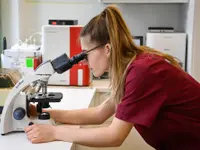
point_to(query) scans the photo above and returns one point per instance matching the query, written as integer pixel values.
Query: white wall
(21, 18)
(38, 14)
(187, 20)
(0, 29)
(10, 20)
(138, 16)
(191, 13)
(195, 64)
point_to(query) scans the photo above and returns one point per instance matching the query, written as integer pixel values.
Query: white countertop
(100, 86)
(72, 99)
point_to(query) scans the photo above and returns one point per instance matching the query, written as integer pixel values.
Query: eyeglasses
(87, 51)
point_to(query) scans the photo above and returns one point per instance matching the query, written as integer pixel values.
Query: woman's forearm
(94, 137)
(93, 115)
(81, 117)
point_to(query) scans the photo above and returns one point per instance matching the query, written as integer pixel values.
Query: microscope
(33, 88)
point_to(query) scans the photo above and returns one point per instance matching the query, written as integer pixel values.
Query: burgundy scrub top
(163, 103)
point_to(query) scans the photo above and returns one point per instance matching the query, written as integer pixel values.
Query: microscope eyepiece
(64, 63)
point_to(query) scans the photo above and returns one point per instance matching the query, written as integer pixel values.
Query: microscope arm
(17, 98)
(43, 73)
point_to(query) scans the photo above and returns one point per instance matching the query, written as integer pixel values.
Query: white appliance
(25, 60)
(60, 39)
(170, 43)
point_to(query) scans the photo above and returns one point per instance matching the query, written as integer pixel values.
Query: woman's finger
(36, 140)
(29, 128)
(30, 137)
(30, 133)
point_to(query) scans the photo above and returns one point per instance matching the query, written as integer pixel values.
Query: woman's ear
(108, 49)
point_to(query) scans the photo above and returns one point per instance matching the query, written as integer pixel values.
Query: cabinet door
(73, 147)
(102, 98)
(80, 147)
(133, 142)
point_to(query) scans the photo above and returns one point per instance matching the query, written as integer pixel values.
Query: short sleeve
(143, 97)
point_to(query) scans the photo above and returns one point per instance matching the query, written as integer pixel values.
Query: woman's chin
(97, 74)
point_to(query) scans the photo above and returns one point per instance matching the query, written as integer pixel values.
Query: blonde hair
(110, 27)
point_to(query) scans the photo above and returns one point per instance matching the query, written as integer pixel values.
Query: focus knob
(19, 113)
(44, 116)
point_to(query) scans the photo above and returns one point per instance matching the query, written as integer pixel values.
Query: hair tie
(103, 14)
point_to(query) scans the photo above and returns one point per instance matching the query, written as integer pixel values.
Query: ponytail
(110, 27)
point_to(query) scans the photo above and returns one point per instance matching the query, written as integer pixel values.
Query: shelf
(144, 1)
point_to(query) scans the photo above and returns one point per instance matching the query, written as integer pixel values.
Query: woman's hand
(40, 133)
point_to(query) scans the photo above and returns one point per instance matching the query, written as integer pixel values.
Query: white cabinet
(144, 1)
(133, 142)
(100, 97)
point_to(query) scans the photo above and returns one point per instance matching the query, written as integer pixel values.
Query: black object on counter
(63, 22)
(1, 109)
(4, 43)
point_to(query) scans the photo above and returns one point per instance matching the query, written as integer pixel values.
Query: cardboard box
(3, 95)
(8, 79)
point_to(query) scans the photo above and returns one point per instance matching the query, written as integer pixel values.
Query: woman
(149, 91)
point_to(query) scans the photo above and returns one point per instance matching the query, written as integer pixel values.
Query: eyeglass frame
(87, 51)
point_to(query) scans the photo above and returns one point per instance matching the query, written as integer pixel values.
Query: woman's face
(97, 59)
